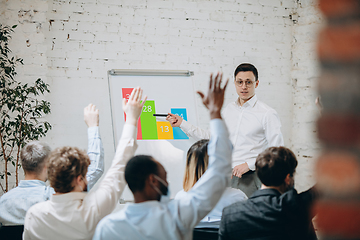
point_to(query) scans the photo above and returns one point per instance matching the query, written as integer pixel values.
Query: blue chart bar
(178, 133)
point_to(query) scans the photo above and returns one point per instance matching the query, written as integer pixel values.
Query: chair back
(11, 232)
(205, 233)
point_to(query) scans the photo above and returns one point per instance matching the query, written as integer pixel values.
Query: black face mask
(164, 189)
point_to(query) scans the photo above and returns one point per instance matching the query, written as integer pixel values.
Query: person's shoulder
(262, 105)
(266, 111)
(38, 208)
(9, 194)
(235, 207)
(291, 198)
(235, 193)
(233, 211)
(290, 192)
(294, 194)
(112, 220)
(230, 106)
(110, 225)
(41, 205)
(294, 202)
(108, 220)
(16, 193)
(180, 194)
(116, 216)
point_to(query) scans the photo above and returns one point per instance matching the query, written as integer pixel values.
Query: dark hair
(273, 164)
(246, 67)
(137, 171)
(197, 161)
(66, 164)
(33, 156)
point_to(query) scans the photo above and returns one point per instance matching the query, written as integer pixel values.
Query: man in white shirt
(15, 203)
(72, 213)
(150, 217)
(253, 126)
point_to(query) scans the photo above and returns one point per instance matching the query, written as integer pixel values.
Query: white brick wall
(72, 44)
(304, 74)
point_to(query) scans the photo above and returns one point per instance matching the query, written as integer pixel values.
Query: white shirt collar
(31, 183)
(68, 197)
(250, 103)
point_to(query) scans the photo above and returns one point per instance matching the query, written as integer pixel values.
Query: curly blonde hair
(66, 164)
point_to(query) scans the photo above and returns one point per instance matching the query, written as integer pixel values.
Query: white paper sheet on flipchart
(167, 92)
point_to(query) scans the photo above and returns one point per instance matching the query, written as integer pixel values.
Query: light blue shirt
(96, 155)
(15, 203)
(177, 218)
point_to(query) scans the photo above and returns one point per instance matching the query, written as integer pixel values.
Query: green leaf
(20, 111)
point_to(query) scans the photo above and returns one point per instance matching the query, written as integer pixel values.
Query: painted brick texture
(304, 76)
(72, 45)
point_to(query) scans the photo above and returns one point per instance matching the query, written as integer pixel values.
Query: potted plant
(21, 111)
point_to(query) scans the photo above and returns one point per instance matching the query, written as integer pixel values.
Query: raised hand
(91, 115)
(175, 120)
(215, 97)
(133, 106)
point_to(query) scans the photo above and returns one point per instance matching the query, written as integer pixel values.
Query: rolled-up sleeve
(193, 131)
(96, 155)
(272, 127)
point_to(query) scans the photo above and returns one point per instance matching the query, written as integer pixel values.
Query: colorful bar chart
(149, 128)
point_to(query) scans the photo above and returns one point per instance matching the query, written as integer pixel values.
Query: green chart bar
(148, 121)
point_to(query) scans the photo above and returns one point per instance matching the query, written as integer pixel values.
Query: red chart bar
(126, 94)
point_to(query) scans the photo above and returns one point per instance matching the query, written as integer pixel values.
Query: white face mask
(164, 198)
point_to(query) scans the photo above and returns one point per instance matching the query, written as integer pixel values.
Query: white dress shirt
(253, 127)
(75, 215)
(212, 220)
(177, 218)
(15, 203)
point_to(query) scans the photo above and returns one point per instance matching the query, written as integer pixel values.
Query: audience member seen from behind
(196, 164)
(15, 203)
(152, 216)
(71, 213)
(276, 211)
